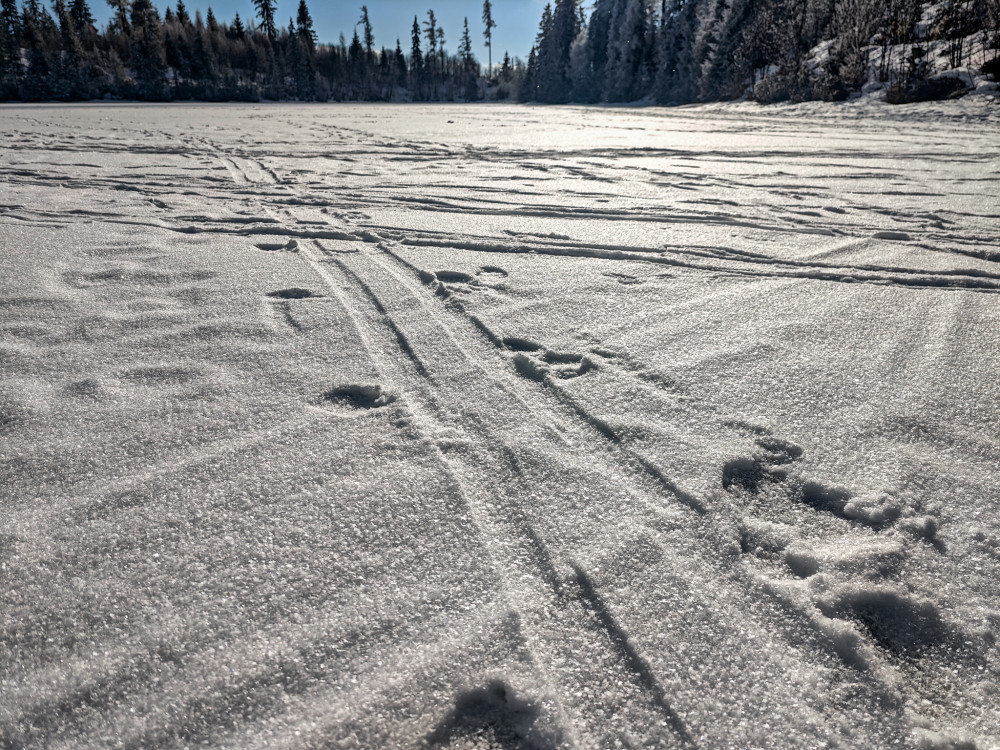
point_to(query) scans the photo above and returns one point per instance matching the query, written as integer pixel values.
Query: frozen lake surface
(493, 426)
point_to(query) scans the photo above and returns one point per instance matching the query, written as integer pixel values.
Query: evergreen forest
(668, 52)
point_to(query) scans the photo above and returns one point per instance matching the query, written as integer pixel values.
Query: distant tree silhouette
(416, 61)
(306, 31)
(488, 25)
(265, 12)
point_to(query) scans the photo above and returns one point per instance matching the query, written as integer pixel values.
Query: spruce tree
(302, 63)
(10, 23)
(465, 48)
(358, 65)
(265, 11)
(147, 54)
(385, 73)
(442, 53)
(416, 60)
(306, 31)
(121, 8)
(430, 29)
(544, 26)
(399, 64)
(431, 58)
(624, 77)
(10, 49)
(488, 25)
(83, 19)
(529, 87)
(71, 84)
(203, 66)
(37, 81)
(553, 52)
(676, 74)
(366, 26)
(598, 33)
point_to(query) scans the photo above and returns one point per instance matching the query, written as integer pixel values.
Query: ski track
(533, 584)
(791, 574)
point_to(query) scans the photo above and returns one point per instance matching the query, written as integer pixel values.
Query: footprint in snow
(863, 603)
(492, 716)
(294, 292)
(492, 271)
(535, 365)
(360, 396)
(455, 277)
(767, 478)
(446, 283)
(898, 236)
(518, 344)
(292, 246)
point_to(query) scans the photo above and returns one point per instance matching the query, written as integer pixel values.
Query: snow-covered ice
(493, 426)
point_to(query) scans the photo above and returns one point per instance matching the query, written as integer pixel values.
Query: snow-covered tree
(147, 54)
(557, 37)
(628, 37)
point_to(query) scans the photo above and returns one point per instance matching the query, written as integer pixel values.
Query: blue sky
(517, 20)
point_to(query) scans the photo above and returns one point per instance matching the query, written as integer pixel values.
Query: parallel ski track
(561, 611)
(429, 352)
(561, 614)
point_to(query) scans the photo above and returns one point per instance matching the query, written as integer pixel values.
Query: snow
(495, 426)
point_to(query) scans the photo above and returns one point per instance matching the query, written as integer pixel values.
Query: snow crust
(487, 426)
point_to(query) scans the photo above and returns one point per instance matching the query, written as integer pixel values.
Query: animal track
(898, 623)
(518, 344)
(529, 367)
(779, 451)
(360, 396)
(857, 593)
(446, 283)
(292, 246)
(87, 388)
(492, 716)
(454, 277)
(533, 361)
(294, 292)
(769, 470)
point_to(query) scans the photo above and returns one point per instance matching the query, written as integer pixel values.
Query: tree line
(61, 55)
(682, 51)
(667, 51)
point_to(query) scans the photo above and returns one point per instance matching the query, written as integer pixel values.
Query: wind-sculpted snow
(485, 426)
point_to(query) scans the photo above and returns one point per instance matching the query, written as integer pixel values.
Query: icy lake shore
(497, 426)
